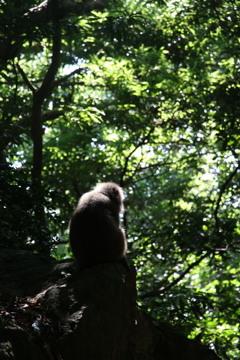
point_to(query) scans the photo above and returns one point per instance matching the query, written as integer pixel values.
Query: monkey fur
(95, 233)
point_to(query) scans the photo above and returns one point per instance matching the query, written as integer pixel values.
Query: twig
(25, 78)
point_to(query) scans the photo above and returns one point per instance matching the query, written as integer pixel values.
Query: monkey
(95, 233)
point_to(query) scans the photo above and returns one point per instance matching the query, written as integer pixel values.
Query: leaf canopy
(146, 94)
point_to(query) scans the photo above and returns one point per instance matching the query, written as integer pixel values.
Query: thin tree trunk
(42, 93)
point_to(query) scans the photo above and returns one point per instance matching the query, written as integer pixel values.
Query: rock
(51, 311)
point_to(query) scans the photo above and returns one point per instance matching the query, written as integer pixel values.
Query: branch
(142, 142)
(222, 190)
(52, 114)
(56, 48)
(61, 80)
(42, 92)
(25, 78)
(174, 282)
(66, 7)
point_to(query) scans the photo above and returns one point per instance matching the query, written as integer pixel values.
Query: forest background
(145, 94)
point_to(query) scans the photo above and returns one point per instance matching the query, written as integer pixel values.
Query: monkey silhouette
(94, 231)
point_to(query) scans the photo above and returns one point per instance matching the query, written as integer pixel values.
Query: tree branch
(25, 79)
(56, 48)
(174, 282)
(142, 142)
(222, 190)
(64, 78)
(66, 7)
(42, 92)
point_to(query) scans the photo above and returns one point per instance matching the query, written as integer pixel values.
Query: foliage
(145, 93)
(20, 227)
